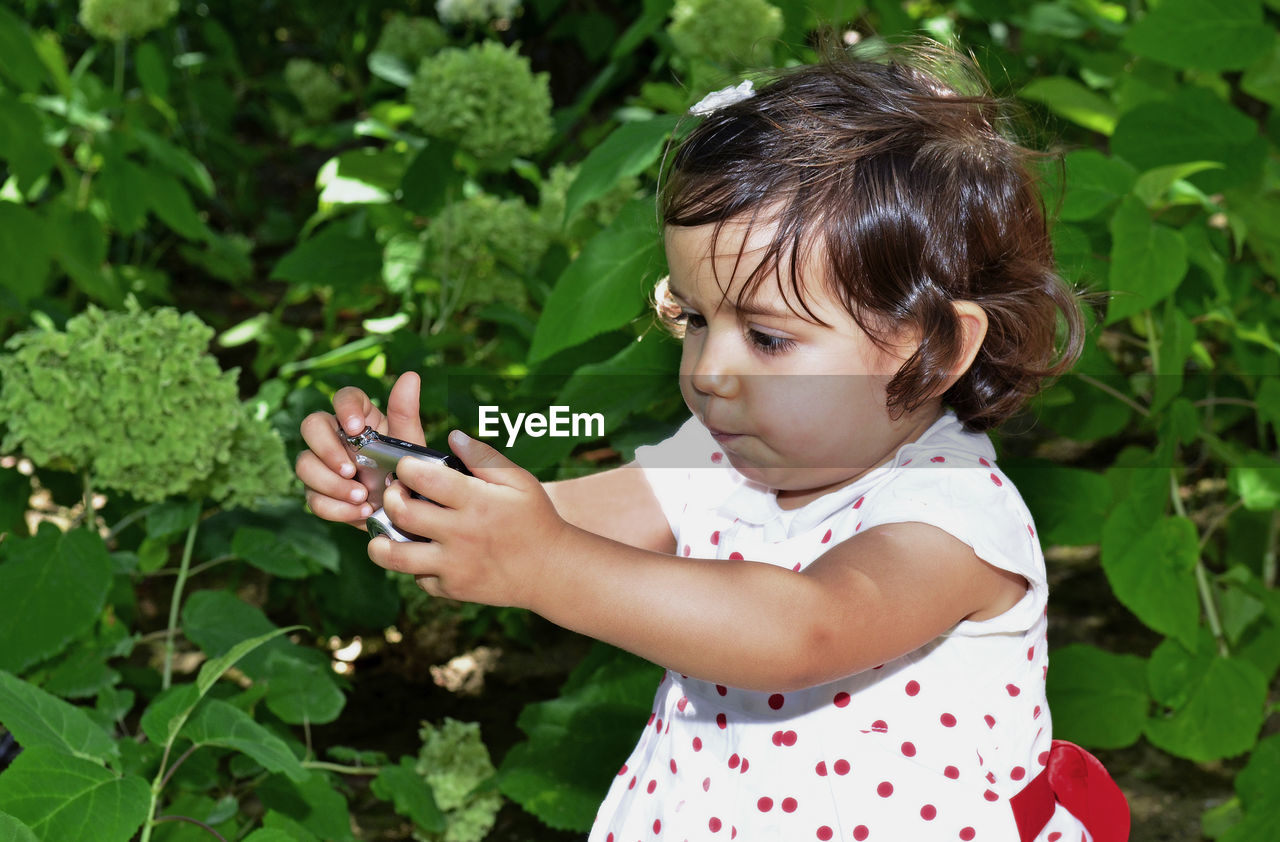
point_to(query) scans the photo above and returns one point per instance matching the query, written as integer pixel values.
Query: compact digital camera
(376, 457)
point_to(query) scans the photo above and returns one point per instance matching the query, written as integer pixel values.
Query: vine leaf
(410, 794)
(1098, 699)
(1153, 575)
(62, 797)
(218, 723)
(38, 719)
(15, 830)
(627, 151)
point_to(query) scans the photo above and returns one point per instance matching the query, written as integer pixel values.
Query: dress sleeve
(689, 466)
(968, 497)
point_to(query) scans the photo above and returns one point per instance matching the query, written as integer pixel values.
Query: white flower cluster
(723, 98)
(461, 12)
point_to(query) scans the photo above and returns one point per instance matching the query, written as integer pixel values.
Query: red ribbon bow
(1075, 779)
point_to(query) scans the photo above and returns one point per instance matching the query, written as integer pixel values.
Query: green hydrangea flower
(455, 762)
(598, 213)
(411, 39)
(487, 246)
(464, 12)
(486, 98)
(135, 399)
(116, 20)
(314, 87)
(730, 32)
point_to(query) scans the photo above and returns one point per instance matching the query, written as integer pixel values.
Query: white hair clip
(722, 98)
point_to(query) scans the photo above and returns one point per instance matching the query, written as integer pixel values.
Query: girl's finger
(431, 585)
(404, 412)
(421, 517)
(488, 464)
(355, 411)
(414, 557)
(327, 508)
(438, 483)
(320, 432)
(320, 477)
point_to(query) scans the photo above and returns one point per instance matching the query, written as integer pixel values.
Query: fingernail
(353, 425)
(366, 510)
(458, 438)
(347, 470)
(358, 495)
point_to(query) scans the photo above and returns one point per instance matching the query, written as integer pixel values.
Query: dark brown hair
(896, 172)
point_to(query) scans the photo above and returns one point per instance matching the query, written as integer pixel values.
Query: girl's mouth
(721, 436)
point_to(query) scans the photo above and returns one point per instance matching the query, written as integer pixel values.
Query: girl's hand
(326, 468)
(494, 535)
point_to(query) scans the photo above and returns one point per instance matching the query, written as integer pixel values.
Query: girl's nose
(712, 374)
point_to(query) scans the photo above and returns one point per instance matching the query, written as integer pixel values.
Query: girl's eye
(770, 344)
(690, 321)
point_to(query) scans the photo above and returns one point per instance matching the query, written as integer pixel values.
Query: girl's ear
(973, 329)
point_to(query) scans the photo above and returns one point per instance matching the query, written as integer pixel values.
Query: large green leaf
(1153, 575)
(627, 151)
(302, 690)
(1217, 703)
(63, 578)
(315, 804)
(219, 723)
(1072, 100)
(1257, 785)
(1203, 34)
(13, 830)
(22, 144)
(38, 719)
(331, 258)
(410, 794)
(1094, 183)
(19, 61)
(265, 550)
(1148, 260)
(1069, 504)
(577, 742)
(604, 288)
(172, 205)
(69, 799)
(1098, 699)
(24, 252)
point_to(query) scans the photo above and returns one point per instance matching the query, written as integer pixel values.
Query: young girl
(847, 592)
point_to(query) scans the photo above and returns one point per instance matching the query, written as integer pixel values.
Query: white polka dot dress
(930, 746)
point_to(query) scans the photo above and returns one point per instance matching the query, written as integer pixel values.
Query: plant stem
(118, 84)
(176, 602)
(1203, 585)
(1115, 393)
(342, 770)
(1269, 557)
(190, 820)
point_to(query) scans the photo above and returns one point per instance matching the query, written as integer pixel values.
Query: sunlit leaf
(61, 797)
(1099, 699)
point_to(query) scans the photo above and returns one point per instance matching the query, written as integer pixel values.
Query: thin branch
(1115, 393)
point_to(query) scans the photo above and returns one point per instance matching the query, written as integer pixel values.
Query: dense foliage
(333, 193)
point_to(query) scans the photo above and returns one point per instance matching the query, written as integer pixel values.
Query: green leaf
(1069, 504)
(1098, 699)
(360, 176)
(1262, 79)
(315, 804)
(577, 741)
(301, 691)
(1256, 481)
(172, 205)
(63, 579)
(168, 712)
(604, 288)
(1154, 574)
(266, 551)
(1191, 125)
(38, 719)
(431, 179)
(122, 183)
(1218, 703)
(19, 62)
(64, 798)
(176, 159)
(22, 143)
(1148, 261)
(24, 252)
(1094, 183)
(1202, 34)
(13, 830)
(1177, 336)
(82, 251)
(153, 75)
(628, 150)
(1257, 785)
(410, 794)
(214, 668)
(264, 834)
(1068, 98)
(331, 258)
(218, 723)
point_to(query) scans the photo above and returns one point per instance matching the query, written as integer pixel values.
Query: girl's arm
(618, 504)
(499, 540)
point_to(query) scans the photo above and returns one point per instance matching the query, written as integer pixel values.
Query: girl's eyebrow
(749, 307)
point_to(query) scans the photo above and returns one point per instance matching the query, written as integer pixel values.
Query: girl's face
(796, 406)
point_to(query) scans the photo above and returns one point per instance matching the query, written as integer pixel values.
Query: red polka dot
(682, 704)
(1035, 714)
(1043, 758)
(795, 568)
(657, 726)
(991, 778)
(623, 770)
(841, 767)
(652, 717)
(1055, 836)
(1017, 773)
(717, 457)
(947, 720)
(697, 743)
(827, 538)
(609, 838)
(996, 480)
(765, 804)
(688, 550)
(860, 832)
(789, 805)
(951, 772)
(736, 556)
(722, 721)
(721, 689)
(734, 760)
(706, 784)
(858, 503)
(733, 833)
(1031, 531)
(1031, 654)
(1012, 689)
(841, 699)
(913, 687)
(651, 787)
(983, 462)
(990, 720)
(657, 825)
(714, 825)
(908, 750)
(776, 701)
(928, 812)
(632, 785)
(880, 726)
(715, 540)
(825, 833)
(938, 459)
(821, 768)
(967, 833)
(990, 796)
(673, 765)
(885, 789)
(745, 764)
